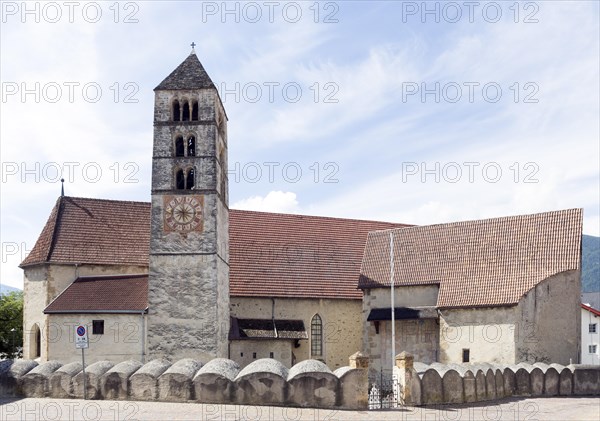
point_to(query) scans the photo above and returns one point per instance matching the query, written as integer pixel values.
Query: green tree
(11, 325)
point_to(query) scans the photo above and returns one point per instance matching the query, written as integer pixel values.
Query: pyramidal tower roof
(188, 75)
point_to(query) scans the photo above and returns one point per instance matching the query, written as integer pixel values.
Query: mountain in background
(590, 264)
(5, 289)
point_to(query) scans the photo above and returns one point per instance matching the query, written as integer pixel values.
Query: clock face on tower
(183, 213)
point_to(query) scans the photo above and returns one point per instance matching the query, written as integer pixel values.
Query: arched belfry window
(191, 145)
(179, 147)
(185, 179)
(190, 180)
(195, 111)
(176, 111)
(316, 336)
(185, 112)
(180, 179)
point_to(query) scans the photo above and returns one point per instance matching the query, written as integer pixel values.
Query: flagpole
(392, 300)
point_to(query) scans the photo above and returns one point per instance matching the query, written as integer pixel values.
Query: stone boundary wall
(421, 384)
(309, 383)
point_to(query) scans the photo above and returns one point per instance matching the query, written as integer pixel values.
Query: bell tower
(188, 280)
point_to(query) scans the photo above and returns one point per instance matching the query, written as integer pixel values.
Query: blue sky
(371, 110)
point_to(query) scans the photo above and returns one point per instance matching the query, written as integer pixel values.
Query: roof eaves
(590, 309)
(476, 306)
(96, 311)
(105, 277)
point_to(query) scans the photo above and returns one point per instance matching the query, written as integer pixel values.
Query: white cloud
(274, 201)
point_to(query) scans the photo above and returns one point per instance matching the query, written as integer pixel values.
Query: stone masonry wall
(188, 285)
(42, 284)
(549, 311)
(341, 324)
(422, 384)
(264, 382)
(419, 337)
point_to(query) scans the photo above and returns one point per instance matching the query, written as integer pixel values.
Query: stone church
(185, 276)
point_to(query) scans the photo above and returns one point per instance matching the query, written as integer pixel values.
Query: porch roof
(403, 313)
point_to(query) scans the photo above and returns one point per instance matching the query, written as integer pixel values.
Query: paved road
(540, 409)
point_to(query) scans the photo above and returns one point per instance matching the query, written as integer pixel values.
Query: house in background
(497, 290)
(591, 299)
(590, 335)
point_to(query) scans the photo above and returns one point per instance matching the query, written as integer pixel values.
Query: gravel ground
(540, 409)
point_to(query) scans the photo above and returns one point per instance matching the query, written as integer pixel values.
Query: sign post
(81, 342)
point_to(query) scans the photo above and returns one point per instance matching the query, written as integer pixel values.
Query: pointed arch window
(195, 111)
(316, 336)
(191, 146)
(176, 111)
(179, 147)
(185, 114)
(180, 180)
(35, 342)
(190, 180)
(38, 343)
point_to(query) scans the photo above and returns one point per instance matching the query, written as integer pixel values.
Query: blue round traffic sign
(80, 330)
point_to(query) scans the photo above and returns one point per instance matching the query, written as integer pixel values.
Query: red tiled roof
(271, 254)
(488, 262)
(281, 255)
(94, 231)
(591, 309)
(102, 294)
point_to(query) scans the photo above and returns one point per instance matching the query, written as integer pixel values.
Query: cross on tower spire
(193, 44)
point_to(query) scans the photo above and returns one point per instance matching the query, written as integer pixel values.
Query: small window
(180, 180)
(179, 150)
(241, 354)
(316, 336)
(466, 355)
(195, 111)
(185, 111)
(254, 355)
(190, 180)
(270, 355)
(176, 111)
(593, 327)
(592, 349)
(191, 146)
(98, 327)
